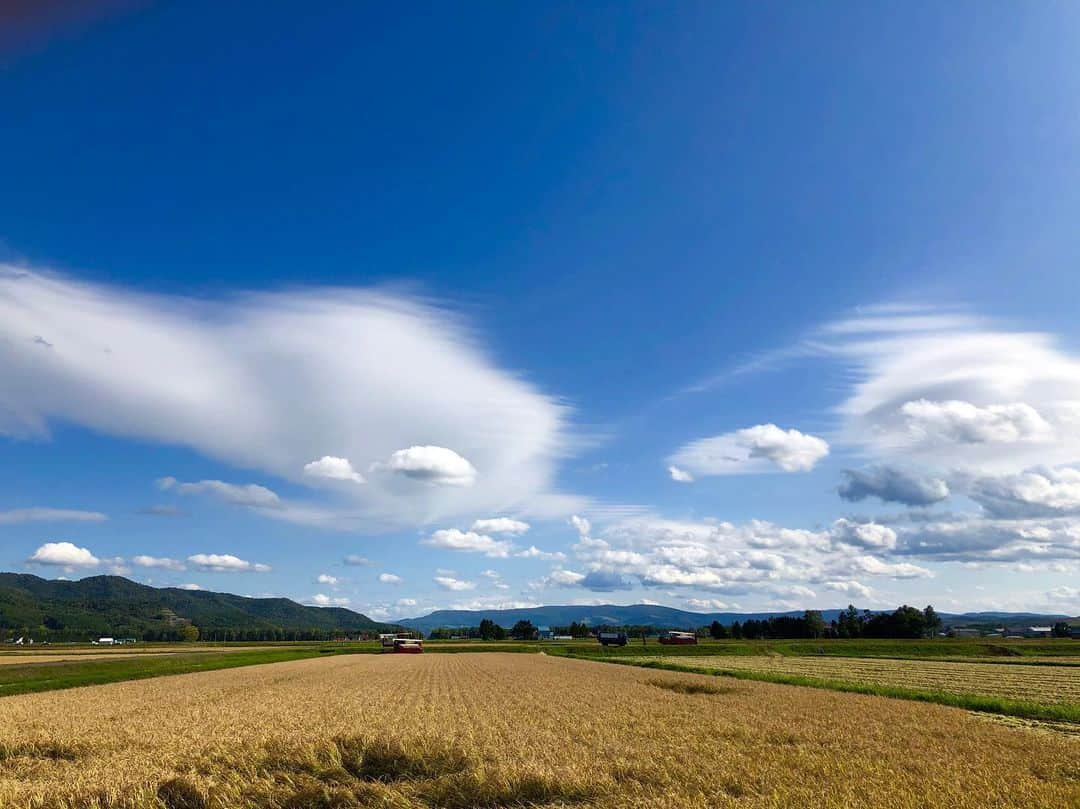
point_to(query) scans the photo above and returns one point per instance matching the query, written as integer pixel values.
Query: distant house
(965, 632)
(106, 641)
(1038, 632)
(544, 633)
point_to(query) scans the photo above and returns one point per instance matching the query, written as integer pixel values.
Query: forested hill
(113, 605)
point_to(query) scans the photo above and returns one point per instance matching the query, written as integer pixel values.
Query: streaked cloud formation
(220, 377)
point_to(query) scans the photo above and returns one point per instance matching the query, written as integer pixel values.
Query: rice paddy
(1046, 684)
(506, 730)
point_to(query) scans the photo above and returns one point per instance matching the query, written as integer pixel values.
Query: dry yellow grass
(508, 730)
(1051, 685)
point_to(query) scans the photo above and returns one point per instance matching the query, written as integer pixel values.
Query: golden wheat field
(1043, 684)
(500, 730)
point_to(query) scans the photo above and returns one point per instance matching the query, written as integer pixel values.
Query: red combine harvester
(679, 638)
(401, 644)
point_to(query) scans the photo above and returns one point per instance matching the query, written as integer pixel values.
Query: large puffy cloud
(452, 539)
(952, 392)
(270, 381)
(1033, 493)
(63, 554)
(763, 448)
(39, 514)
(437, 465)
(892, 485)
(868, 535)
(964, 423)
(225, 563)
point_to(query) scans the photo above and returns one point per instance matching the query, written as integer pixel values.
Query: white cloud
(323, 600)
(452, 539)
(63, 554)
(956, 393)
(189, 586)
(762, 448)
(863, 535)
(1033, 493)
(680, 475)
(332, 468)
(38, 514)
(457, 585)
(225, 563)
(491, 574)
(160, 562)
(326, 578)
(405, 602)
(357, 560)
(249, 494)
(581, 525)
(965, 423)
(257, 380)
(710, 605)
(892, 485)
(895, 570)
(565, 577)
(389, 578)
(849, 587)
(437, 465)
(533, 552)
(975, 538)
(500, 525)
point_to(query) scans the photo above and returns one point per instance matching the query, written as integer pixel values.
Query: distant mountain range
(657, 616)
(113, 605)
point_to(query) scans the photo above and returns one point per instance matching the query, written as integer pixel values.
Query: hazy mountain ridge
(650, 614)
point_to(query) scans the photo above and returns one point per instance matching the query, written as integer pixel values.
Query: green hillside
(113, 605)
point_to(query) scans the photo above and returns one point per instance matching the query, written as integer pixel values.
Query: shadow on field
(42, 751)
(680, 687)
(355, 772)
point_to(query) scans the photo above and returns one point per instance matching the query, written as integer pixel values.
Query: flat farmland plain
(501, 730)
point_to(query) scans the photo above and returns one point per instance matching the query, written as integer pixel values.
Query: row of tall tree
(904, 622)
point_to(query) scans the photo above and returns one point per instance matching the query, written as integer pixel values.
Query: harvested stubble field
(500, 730)
(1037, 684)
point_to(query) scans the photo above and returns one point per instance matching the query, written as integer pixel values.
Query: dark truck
(611, 638)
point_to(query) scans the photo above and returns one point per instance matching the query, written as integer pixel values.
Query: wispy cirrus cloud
(379, 370)
(38, 514)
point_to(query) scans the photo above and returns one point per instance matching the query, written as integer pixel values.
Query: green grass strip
(35, 677)
(971, 702)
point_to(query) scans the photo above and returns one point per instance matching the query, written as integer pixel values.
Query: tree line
(904, 622)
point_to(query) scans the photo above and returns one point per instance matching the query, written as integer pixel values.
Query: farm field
(1055, 686)
(499, 730)
(60, 673)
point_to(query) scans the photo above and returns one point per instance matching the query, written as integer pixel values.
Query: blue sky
(279, 291)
